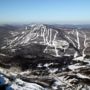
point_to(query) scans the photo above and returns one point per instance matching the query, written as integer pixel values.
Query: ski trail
(70, 40)
(50, 37)
(54, 40)
(78, 41)
(85, 46)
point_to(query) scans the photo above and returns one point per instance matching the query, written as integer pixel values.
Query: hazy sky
(45, 11)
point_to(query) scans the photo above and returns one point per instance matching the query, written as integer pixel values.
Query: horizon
(46, 11)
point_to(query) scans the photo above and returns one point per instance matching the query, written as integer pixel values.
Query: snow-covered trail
(85, 46)
(78, 41)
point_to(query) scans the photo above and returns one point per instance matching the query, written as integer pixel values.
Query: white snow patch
(3, 54)
(81, 58)
(82, 76)
(26, 72)
(21, 85)
(3, 47)
(39, 65)
(53, 70)
(74, 67)
(48, 64)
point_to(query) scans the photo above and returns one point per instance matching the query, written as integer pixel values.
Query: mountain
(56, 42)
(47, 55)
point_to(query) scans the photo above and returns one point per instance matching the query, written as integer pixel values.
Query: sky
(45, 11)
